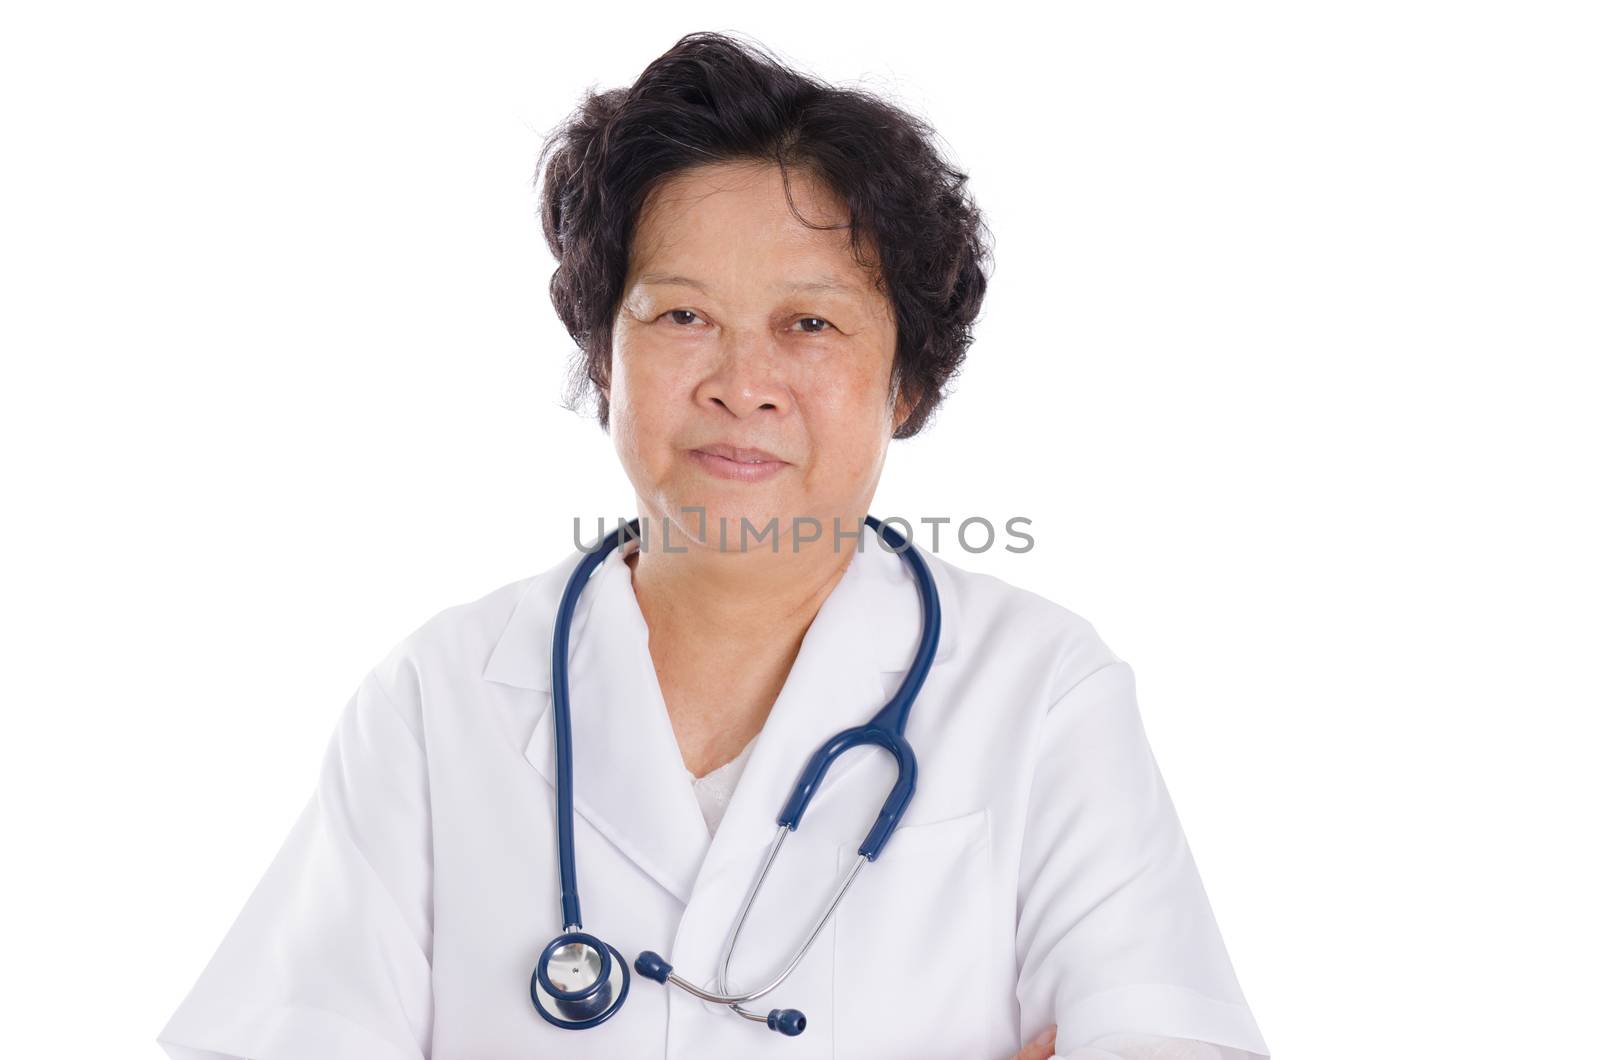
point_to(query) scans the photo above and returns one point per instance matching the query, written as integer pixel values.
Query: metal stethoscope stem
(721, 996)
(744, 911)
(786, 1021)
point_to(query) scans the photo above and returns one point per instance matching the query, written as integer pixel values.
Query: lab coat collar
(629, 780)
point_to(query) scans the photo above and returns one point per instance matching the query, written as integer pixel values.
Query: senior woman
(768, 279)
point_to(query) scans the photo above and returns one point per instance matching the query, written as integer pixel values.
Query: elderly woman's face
(740, 327)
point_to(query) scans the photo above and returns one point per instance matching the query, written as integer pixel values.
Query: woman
(768, 279)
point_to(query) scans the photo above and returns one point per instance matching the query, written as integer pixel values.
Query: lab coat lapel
(852, 660)
(629, 781)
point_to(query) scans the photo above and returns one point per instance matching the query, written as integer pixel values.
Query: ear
(903, 408)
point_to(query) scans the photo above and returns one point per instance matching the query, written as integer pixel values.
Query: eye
(677, 316)
(813, 320)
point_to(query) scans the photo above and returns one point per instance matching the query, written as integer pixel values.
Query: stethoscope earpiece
(579, 981)
(787, 1021)
(650, 965)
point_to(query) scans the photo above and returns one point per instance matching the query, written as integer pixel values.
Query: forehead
(735, 221)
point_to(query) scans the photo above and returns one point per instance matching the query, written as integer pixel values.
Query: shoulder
(999, 617)
(452, 644)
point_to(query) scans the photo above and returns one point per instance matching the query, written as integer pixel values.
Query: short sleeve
(1115, 933)
(330, 957)
(1146, 1047)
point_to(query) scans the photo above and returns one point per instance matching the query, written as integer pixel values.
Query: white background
(1290, 355)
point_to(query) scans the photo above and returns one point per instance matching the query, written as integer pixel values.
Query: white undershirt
(715, 789)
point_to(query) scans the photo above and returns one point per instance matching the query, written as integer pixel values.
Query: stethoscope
(581, 981)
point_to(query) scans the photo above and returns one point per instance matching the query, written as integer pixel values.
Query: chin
(722, 510)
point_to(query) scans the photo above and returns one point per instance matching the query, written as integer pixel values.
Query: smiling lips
(736, 463)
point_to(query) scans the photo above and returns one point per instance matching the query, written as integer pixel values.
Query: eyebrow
(826, 283)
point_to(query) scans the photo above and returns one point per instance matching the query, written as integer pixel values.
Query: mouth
(738, 455)
(736, 463)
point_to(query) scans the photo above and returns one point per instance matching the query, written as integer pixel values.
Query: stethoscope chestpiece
(579, 981)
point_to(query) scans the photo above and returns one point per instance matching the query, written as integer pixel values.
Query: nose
(747, 378)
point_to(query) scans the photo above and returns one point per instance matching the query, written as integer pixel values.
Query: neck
(725, 628)
(734, 597)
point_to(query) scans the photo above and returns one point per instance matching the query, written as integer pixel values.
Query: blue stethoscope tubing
(595, 970)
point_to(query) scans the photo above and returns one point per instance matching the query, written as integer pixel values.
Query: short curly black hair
(713, 98)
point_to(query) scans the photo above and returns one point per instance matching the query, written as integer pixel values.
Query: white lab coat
(1039, 876)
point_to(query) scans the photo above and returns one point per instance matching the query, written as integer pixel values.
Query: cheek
(650, 396)
(849, 421)
(645, 372)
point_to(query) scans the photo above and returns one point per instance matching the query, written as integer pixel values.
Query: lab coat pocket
(912, 953)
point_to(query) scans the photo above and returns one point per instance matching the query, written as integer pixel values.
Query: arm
(1114, 930)
(330, 956)
(1132, 1047)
